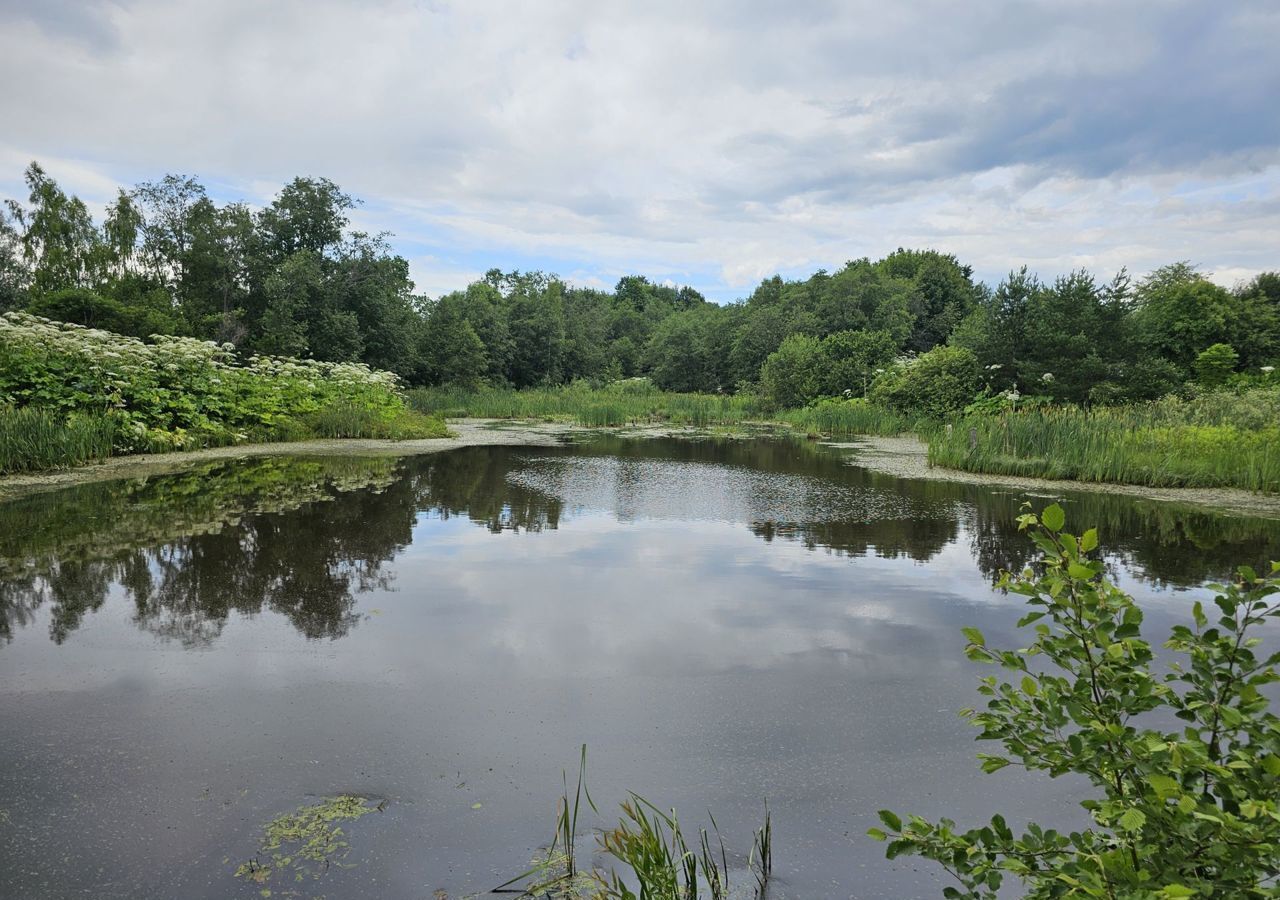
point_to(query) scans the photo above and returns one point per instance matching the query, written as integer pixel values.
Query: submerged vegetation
(306, 842)
(1177, 813)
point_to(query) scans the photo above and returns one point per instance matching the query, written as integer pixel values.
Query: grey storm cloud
(720, 140)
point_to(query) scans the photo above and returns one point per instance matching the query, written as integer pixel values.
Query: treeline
(293, 279)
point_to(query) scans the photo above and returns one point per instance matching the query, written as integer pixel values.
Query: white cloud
(712, 143)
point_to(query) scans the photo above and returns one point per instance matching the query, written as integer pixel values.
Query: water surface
(184, 657)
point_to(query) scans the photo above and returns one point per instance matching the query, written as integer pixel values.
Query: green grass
(1217, 440)
(632, 402)
(352, 420)
(37, 440)
(34, 439)
(847, 417)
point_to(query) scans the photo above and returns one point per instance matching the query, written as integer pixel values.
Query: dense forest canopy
(293, 279)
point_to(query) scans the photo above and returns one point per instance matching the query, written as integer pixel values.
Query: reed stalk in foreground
(659, 862)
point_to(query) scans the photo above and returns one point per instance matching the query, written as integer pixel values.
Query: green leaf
(1163, 785)
(877, 834)
(890, 819)
(974, 636)
(1132, 820)
(993, 763)
(1053, 518)
(1079, 571)
(1089, 540)
(896, 848)
(1029, 685)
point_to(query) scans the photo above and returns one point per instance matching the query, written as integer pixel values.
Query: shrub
(177, 392)
(793, 374)
(1186, 812)
(1215, 364)
(937, 384)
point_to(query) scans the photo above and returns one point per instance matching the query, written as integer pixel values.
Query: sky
(710, 143)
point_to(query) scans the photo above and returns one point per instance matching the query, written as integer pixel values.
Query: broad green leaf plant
(1177, 812)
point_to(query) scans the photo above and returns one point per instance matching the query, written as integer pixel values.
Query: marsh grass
(32, 439)
(631, 402)
(355, 420)
(847, 417)
(1218, 440)
(650, 843)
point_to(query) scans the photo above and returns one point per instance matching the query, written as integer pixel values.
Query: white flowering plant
(176, 392)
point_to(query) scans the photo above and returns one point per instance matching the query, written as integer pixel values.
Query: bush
(177, 392)
(935, 384)
(1215, 364)
(793, 374)
(1186, 812)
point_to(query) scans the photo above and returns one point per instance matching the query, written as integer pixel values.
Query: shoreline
(466, 433)
(904, 456)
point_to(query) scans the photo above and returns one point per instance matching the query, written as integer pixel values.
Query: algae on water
(306, 842)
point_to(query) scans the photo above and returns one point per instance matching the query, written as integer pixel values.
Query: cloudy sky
(711, 143)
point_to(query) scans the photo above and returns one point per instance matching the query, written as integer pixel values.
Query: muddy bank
(907, 457)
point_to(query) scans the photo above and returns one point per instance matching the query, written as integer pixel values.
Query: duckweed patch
(305, 843)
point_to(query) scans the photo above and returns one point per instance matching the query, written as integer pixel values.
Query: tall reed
(1169, 443)
(660, 862)
(35, 439)
(618, 404)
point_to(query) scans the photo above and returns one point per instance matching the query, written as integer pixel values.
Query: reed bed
(846, 417)
(618, 404)
(32, 439)
(1216, 440)
(353, 420)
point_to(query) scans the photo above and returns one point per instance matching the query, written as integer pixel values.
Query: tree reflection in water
(302, 537)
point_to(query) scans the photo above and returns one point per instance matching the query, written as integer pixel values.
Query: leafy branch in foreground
(1176, 813)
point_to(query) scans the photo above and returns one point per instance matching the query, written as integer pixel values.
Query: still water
(185, 657)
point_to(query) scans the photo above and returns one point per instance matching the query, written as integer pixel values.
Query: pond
(184, 658)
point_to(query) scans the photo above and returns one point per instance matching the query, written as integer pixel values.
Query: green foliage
(1219, 439)
(793, 374)
(852, 358)
(1215, 364)
(180, 392)
(935, 384)
(36, 439)
(141, 318)
(1185, 812)
(1180, 313)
